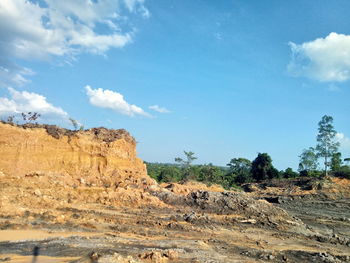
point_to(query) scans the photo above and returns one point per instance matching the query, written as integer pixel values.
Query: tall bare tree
(326, 142)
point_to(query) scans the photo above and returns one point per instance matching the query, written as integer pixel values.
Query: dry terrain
(85, 197)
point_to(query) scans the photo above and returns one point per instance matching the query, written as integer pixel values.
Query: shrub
(343, 171)
(311, 173)
(289, 173)
(169, 174)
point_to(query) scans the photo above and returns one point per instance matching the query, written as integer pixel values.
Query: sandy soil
(184, 223)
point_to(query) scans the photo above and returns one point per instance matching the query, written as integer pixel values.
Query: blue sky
(224, 79)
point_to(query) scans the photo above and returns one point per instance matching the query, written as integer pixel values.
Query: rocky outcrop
(94, 157)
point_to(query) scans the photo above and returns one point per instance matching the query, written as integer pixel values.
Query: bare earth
(187, 224)
(84, 196)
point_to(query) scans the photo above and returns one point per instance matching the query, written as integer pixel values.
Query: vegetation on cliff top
(28, 121)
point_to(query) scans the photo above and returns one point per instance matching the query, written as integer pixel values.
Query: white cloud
(25, 101)
(137, 5)
(113, 100)
(12, 73)
(343, 140)
(323, 59)
(159, 109)
(61, 28)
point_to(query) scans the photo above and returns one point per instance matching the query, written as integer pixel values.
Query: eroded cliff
(94, 157)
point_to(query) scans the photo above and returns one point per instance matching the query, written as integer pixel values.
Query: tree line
(241, 170)
(237, 172)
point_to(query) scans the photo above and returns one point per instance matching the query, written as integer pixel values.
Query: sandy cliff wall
(96, 156)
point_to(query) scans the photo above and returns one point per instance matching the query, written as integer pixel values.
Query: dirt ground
(174, 223)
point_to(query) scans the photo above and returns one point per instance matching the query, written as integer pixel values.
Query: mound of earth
(243, 207)
(187, 187)
(306, 187)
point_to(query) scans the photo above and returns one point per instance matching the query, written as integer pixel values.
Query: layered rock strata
(94, 157)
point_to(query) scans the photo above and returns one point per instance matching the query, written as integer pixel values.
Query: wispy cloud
(137, 5)
(12, 73)
(323, 59)
(159, 109)
(41, 30)
(113, 100)
(24, 101)
(343, 140)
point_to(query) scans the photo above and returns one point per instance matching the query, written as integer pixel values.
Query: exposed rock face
(97, 156)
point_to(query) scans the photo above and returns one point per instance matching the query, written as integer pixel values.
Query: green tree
(154, 169)
(344, 171)
(274, 173)
(308, 160)
(336, 162)
(164, 172)
(188, 161)
(262, 167)
(170, 174)
(240, 170)
(289, 173)
(326, 143)
(347, 161)
(189, 172)
(210, 174)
